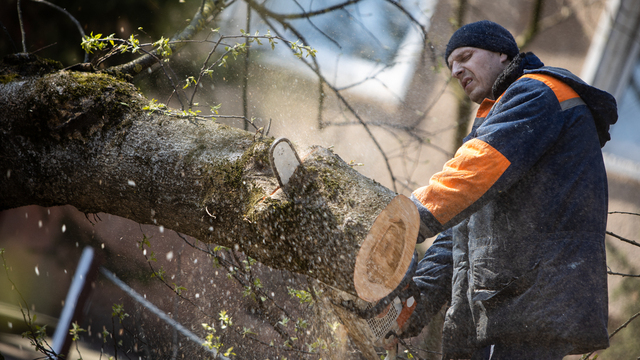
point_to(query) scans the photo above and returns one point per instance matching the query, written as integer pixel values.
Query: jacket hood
(602, 105)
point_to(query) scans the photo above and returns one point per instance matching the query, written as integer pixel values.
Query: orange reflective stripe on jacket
(463, 180)
(563, 92)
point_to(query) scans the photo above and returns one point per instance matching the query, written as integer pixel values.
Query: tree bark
(83, 139)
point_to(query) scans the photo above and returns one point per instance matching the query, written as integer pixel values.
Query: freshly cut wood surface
(386, 252)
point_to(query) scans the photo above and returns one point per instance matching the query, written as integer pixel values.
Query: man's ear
(504, 58)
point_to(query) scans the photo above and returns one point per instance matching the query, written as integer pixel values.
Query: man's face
(476, 70)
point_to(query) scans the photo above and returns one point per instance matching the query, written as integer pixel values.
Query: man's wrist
(429, 226)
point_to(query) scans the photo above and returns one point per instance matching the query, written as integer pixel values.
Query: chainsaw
(389, 318)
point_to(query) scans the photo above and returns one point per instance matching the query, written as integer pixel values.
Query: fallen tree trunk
(84, 140)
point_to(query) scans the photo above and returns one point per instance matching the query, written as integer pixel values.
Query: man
(521, 209)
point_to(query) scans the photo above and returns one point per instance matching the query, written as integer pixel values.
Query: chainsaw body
(387, 317)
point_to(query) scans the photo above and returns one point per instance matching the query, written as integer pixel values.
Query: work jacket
(522, 208)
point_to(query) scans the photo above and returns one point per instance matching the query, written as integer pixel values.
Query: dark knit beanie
(483, 34)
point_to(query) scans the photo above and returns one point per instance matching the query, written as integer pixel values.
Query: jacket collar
(513, 71)
(602, 105)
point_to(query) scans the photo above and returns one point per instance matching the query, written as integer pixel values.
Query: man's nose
(456, 70)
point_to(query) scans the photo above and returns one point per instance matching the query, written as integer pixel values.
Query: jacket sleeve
(433, 276)
(523, 124)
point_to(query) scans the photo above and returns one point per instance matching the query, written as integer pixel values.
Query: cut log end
(386, 252)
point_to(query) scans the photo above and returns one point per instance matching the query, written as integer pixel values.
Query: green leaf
(118, 311)
(229, 352)
(247, 331)
(302, 295)
(75, 331)
(225, 320)
(190, 80)
(257, 283)
(284, 321)
(105, 334)
(178, 289)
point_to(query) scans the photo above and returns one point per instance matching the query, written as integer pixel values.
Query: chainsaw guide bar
(284, 160)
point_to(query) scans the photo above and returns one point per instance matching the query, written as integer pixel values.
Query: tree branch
(209, 8)
(83, 139)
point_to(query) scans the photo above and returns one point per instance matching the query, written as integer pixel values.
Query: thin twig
(28, 320)
(430, 106)
(408, 347)
(179, 90)
(151, 54)
(227, 264)
(408, 14)
(76, 22)
(317, 28)
(154, 309)
(368, 78)
(344, 101)
(236, 272)
(44, 47)
(416, 134)
(320, 103)
(209, 9)
(624, 212)
(204, 67)
(173, 289)
(621, 274)
(373, 138)
(281, 17)
(171, 82)
(624, 325)
(115, 341)
(423, 29)
(176, 303)
(586, 357)
(246, 280)
(623, 239)
(24, 44)
(245, 78)
(6, 33)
